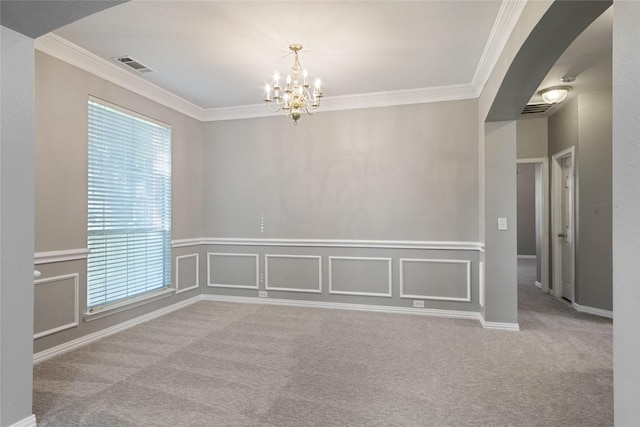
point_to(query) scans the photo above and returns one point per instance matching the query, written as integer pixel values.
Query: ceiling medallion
(294, 100)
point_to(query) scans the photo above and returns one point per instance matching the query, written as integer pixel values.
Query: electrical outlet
(263, 294)
(418, 304)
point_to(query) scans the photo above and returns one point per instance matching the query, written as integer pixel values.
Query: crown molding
(508, 15)
(357, 101)
(73, 54)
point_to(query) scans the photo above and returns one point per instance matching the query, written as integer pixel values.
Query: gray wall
(16, 227)
(626, 212)
(62, 91)
(500, 202)
(532, 138)
(526, 209)
(395, 174)
(399, 173)
(586, 124)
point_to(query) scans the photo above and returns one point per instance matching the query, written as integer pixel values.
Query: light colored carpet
(224, 364)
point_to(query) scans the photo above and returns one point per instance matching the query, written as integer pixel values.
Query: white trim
(271, 288)
(76, 303)
(592, 310)
(230, 285)
(527, 257)
(372, 294)
(30, 421)
(345, 243)
(127, 304)
(515, 327)
(545, 247)
(60, 256)
(183, 243)
(178, 258)
(538, 284)
(454, 314)
(436, 261)
(73, 54)
(71, 345)
(503, 26)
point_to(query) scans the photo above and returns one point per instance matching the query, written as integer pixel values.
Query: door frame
(556, 220)
(544, 211)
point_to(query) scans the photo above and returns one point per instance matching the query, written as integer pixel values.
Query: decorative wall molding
(71, 345)
(296, 257)
(60, 256)
(212, 284)
(76, 304)
(538, 284)
(527, 257)
(503, 26)
(30, 421)
(197, 284)
(183, 243)
(337, 243)
(467, 264)
(73, 54)
(592, 310)
(365, 259)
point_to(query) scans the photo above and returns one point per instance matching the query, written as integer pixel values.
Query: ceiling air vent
(133, 64)
(540, 108)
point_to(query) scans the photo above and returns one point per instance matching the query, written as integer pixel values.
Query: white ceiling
(220, 54)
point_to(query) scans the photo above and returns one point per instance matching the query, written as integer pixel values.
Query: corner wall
(585, 123)
(62, 92)
(16, 228)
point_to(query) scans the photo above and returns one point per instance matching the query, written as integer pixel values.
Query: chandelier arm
(279, 107)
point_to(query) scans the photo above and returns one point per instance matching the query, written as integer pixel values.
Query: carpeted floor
(224, 364)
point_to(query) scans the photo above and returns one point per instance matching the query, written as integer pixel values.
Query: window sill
(117, 307)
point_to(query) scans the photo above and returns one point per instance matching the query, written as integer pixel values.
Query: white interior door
(566, 236)
(563, 224)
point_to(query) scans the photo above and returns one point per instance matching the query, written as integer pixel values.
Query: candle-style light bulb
(268, 90)
(288, 79)
(304, 74)
(318, 85)
(276, 83)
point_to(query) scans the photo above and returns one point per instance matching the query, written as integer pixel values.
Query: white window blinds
(129, 211)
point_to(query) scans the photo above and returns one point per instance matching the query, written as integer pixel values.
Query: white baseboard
(30, 421)
(593, 310)
(70, 345)
(538, 284)
(346, 306)
(526, 257)
(499, 325)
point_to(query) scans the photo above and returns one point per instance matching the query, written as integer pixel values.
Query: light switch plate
(502, 223)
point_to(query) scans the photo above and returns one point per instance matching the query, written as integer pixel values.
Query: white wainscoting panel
(232, 270)
(435, 279)
(189, 271)
(293, 273)
(63, 293)
(373, 275)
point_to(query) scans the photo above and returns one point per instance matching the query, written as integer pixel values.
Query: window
(129, 205)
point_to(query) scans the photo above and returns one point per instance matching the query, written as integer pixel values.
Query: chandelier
(294, 100)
